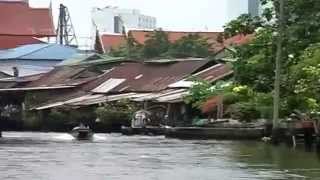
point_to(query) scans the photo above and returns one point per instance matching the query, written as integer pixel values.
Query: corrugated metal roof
(108, 85)
(20, 51)
(75, 59)
(65, 75)
(152, 77)
(158, 95)
(123, 96)
(181, 84)
(21, 79)
(173, 97)
(215, 72)
(35, 88)
(48, 106)
(52, 52)
(24, 70)
(87, 100)
(39, 52)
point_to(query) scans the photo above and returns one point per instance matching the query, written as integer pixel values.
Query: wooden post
(168, 115)
(276, 99)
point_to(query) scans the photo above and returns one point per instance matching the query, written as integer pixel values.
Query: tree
(131, 49)
(256, 61)
(244, 24)
(156, 45)
(192, 45)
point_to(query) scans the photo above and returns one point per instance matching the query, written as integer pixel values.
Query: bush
(109, 116)
(32, 121)
(243, 111)
(117, 113)
(56, 120)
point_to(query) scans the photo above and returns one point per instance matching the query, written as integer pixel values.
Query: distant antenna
(65, 31)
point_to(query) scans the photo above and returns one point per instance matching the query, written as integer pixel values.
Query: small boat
(82, 133)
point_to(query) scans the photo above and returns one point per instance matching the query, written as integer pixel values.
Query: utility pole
(276, 100)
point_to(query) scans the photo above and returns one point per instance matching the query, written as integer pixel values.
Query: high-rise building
(238, 7)
(254, 7)
(113, 20)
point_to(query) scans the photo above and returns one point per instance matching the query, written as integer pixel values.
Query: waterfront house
(158, 85)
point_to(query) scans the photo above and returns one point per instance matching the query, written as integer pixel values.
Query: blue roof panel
(39, 52)
(15, 53)
(52, 52)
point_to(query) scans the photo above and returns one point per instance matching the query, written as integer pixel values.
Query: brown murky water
(55, 156)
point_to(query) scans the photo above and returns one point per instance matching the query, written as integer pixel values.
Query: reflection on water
(57, 156)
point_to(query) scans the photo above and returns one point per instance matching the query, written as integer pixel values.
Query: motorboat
(82, 132)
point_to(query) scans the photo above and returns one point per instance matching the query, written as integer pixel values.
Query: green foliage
(202, 90)
(243, 111)
(132, 49)
(244, 24)
(111, 116)
(117, 113)
(241, 101)
(301, 53)
(304, 77)
(65, 119)
(57, 118)
(158, 45)
(32, 121)
(192, 45)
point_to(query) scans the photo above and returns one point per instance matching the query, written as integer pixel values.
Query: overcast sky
(196, 15)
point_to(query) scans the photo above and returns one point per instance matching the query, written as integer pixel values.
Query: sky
(188, 15)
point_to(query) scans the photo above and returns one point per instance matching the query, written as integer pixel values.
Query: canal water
(55, 156)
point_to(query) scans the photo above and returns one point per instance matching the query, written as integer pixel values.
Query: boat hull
(215, 133)
(82, 134)
(151, 131)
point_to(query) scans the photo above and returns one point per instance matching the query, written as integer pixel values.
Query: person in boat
(140, 119)
(81, 126)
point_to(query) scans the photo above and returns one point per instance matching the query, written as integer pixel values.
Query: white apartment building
(113, 19)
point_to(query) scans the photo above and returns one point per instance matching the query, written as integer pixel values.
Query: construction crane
(65, 31)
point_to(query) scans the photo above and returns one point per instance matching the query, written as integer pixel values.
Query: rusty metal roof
(64, 76)
(215, 72)
(149, 77)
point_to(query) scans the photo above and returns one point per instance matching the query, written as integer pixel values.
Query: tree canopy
(255, 65)
(158, 45)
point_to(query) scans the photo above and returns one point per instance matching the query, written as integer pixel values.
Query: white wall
(132, 19)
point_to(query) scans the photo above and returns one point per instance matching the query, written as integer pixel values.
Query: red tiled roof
(238, 40)
(112, 41)
(17, 18)
(141, 36)
(7, 42)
